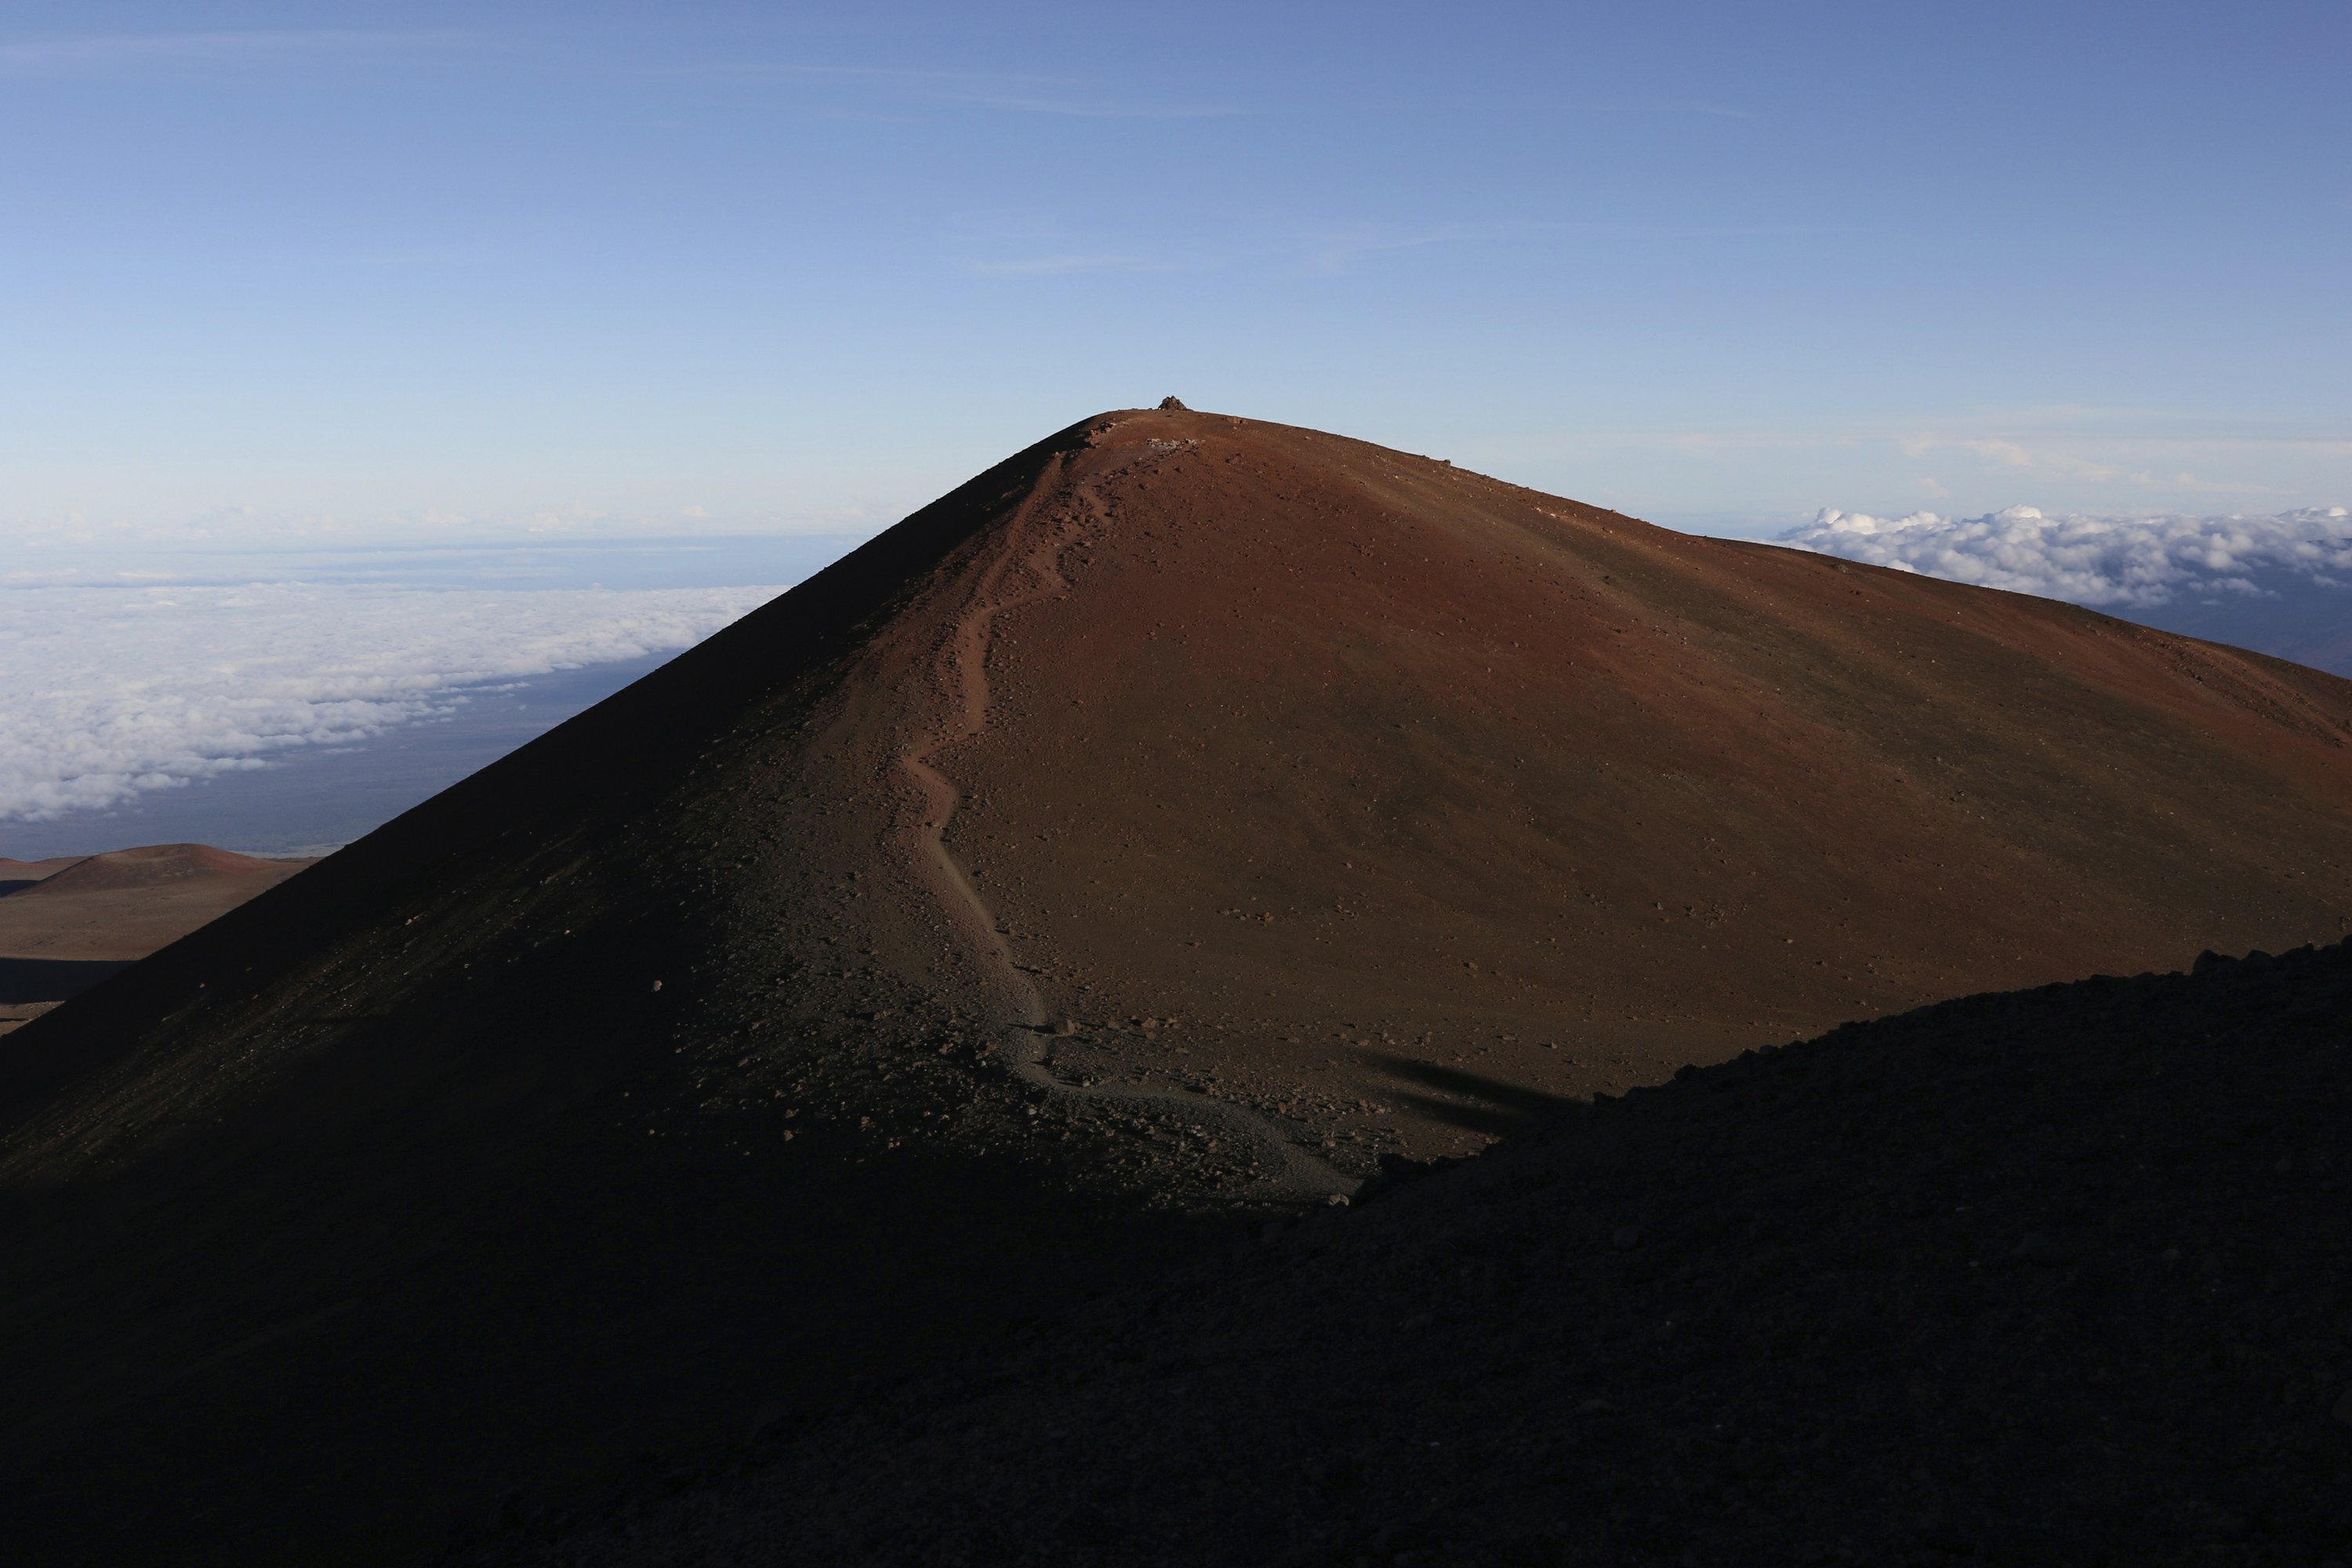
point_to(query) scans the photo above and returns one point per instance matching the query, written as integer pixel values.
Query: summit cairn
(1174, 406)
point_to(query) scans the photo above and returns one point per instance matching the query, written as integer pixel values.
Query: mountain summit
(1154, 832)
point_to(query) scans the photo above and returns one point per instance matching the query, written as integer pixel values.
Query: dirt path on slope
(1027, 570)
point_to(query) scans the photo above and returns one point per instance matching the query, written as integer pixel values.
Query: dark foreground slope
(1137, 841)
(2062, 1277)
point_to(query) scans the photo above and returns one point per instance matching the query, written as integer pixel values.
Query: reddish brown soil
(1140, 839)
(68, 923)
(1378, 771)
(126, 903)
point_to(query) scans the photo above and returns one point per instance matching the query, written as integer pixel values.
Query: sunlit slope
(1357, 757)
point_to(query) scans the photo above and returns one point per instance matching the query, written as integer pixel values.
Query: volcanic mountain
(1151, 833)
(68, 923)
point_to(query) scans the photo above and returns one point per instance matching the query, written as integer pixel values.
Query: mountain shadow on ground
(53, 979)
(2057, 1277)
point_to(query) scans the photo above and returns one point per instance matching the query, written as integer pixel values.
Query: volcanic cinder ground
(1135, 844)
(2050, 1277)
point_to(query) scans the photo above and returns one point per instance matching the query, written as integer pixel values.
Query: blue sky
(371, 373)
(418, 273)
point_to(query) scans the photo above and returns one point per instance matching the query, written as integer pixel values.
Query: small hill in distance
(1148, 839)
(70, 922)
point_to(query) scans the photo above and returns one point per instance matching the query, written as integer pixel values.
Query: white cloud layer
(107, 692)
(2128, 563)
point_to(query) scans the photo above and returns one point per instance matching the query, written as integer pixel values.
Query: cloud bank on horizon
(2123, 563)
(112, 692)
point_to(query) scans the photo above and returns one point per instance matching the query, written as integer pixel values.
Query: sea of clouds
(2123, 563)
(107, 692)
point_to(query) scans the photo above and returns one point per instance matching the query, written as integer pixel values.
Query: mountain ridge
(1149, 836)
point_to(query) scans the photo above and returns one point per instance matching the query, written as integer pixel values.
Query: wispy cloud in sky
(1056, 266)
(2059, 456)
(1034, 246)
(1066, 97)
(122, 53)
(2098, 456)
(1339, 250)
(1091, 108)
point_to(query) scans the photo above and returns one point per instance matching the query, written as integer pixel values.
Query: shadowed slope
(2057, 1278)
(853, 984)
